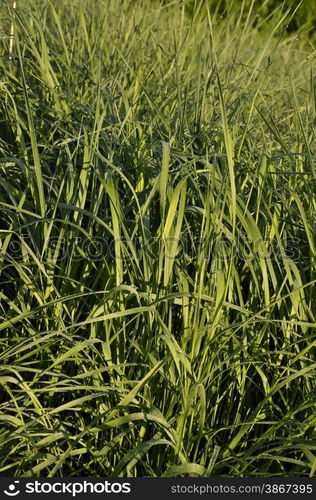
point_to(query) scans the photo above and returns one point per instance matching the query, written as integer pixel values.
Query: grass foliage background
(157, 241)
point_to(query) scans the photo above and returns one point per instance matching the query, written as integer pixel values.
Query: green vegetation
(302, 12)
(157, 243)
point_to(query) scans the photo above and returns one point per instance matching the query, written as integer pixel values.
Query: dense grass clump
(157, 243)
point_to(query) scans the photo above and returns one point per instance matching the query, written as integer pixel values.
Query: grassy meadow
(157, 240)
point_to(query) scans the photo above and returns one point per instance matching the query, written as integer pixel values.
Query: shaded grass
(157, 243)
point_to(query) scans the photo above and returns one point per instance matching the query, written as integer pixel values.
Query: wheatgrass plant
(157, 242)
(11, 43)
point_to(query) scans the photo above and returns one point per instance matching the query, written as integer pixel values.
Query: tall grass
(157, 242)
